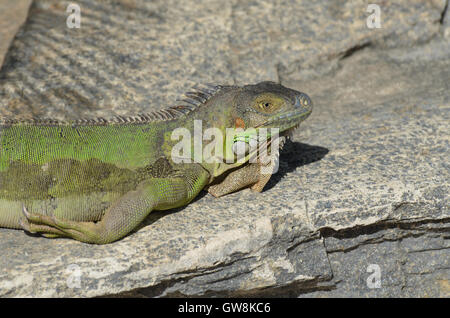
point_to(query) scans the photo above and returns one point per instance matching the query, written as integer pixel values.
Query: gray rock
(365, 181)
(131, 55)
(445, 19)
(12, 15)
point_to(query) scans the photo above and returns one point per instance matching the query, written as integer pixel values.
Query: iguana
(96, 180)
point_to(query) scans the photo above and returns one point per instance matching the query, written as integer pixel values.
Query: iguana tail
(10, 214)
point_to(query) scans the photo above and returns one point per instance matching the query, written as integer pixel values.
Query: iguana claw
(35, 218)
(23, 222)
(25, 211)
(32, 223)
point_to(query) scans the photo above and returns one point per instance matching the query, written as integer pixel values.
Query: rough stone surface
(12, 14)
(365, 181)
(445, 20)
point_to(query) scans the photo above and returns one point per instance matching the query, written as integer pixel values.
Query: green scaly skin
(96, 180)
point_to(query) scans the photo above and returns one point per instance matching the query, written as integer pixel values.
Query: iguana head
(245, 117)
(269, 106)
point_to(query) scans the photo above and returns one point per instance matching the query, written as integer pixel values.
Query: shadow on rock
(295, 154)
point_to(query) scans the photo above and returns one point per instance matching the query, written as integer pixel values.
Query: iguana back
(54, 167)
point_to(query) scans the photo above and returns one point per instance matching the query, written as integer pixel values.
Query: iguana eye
(265, 105)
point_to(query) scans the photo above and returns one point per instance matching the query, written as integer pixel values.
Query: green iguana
(96, 180)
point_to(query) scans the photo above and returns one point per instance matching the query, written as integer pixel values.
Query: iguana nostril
(303, 100)
(306, 101)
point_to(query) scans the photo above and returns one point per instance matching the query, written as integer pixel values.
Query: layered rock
(362, 188)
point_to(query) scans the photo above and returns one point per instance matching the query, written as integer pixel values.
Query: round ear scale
(239, 123)
(240, 148)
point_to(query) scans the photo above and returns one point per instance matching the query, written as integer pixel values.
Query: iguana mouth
(286, 122)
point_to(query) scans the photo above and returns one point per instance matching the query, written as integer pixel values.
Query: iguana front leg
(255, 175)
(127, 212)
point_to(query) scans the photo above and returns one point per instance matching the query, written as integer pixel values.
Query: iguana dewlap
(97, 180)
